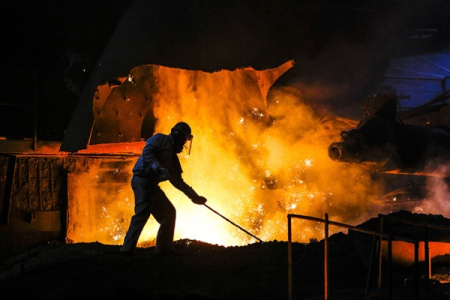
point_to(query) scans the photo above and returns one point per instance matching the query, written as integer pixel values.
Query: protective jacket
(159, 153)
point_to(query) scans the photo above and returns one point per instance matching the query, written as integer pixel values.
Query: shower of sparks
(249, 171)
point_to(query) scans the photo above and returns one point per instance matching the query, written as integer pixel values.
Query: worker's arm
(178, 182)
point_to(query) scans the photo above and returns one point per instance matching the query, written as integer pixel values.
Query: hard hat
(183, 128)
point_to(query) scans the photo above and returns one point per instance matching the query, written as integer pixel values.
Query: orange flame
(252, 172)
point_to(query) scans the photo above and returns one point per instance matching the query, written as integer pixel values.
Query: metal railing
(380, 235)
(426, 227)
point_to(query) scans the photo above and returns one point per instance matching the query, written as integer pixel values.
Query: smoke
(256, 174)
(438, 194)
(255, 163)
(251, 170)
(255, 160)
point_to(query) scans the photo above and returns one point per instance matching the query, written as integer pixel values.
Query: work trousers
(150, 200)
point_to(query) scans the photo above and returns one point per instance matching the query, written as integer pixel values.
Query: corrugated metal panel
(36, 184)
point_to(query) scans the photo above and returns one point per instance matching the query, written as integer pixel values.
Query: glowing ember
(251, 171)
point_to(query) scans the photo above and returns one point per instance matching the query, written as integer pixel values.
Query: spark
(309, 162)
(251, 172)
(258, 113)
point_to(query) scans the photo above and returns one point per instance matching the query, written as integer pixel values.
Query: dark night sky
(336, 43)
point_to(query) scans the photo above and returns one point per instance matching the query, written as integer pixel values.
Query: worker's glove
(163, 174)
(199, 200)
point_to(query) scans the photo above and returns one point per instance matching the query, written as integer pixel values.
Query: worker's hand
(200, 200)
(163, 174)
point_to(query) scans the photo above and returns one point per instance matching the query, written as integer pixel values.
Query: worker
(159, 162)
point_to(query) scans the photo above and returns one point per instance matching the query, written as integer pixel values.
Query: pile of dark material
(205, 271)
(412, 226)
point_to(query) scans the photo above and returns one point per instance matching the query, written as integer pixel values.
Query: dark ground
(205, 271)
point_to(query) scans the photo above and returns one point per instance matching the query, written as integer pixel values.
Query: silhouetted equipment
(381, 142)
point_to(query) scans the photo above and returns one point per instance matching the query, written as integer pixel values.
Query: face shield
(188, 145)
(181, 133)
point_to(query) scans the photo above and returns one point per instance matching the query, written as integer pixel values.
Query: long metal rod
(325, 255)
(233, 223)
(427, 259)
(289, 258)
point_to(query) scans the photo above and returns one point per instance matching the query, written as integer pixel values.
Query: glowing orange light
(252, 171)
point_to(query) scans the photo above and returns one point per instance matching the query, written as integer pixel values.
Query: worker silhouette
(159, 162)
